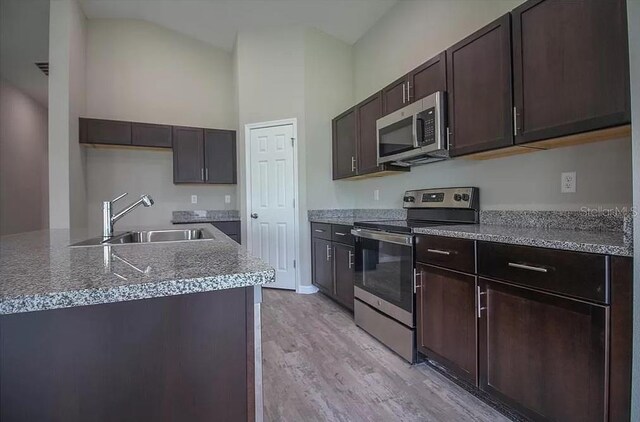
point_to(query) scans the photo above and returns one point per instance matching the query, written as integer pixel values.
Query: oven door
(384, 270)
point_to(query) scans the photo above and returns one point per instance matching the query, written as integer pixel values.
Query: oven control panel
(442, 198)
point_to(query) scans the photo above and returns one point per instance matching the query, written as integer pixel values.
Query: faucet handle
(119, 197)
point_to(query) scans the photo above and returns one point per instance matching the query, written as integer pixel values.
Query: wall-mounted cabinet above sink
(200, 155)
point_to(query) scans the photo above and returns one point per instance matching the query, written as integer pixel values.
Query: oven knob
(409, 199)
(465, 196)
(457, 197)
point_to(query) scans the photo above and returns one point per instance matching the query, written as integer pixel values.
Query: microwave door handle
(419, 131)
(414, 132)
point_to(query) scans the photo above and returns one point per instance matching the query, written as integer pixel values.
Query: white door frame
(296, 226)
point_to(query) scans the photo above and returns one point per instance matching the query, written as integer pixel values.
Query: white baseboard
(307, 290)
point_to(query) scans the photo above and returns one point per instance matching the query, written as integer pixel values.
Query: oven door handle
(399, 239)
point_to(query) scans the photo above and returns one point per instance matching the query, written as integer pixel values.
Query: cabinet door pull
(416, 274)
(404, 93)
(515, 121)
(318, 231)
(353, 164)
(351, 256)
(439, 252)
(527, 267)
(341, 234)
(408, 92)
(206, 174)
(479, 299)
(202, 174)
(328, 253)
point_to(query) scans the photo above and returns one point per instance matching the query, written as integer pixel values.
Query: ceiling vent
(44, 67)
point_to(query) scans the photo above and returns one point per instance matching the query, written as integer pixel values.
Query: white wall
(24, 184)
(633, 17)
(414, 31)
(140, 71)
(270, 81)
(67, 190)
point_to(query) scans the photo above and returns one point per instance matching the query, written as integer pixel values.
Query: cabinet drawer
(449, 252)
(321, 231)
(342, 234)
(575, 274)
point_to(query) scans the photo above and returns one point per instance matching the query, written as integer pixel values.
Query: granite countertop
(601, 242)
(212, 216)
(346, 221)
(39, 271)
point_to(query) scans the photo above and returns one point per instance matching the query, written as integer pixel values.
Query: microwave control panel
(428, 118)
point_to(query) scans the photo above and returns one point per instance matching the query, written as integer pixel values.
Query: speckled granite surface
(567, 220)
(190, 217)
(349, 216)
(602, 242)
(39, 271)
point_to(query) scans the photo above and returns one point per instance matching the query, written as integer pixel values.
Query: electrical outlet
(200, 213)
(227, 199)
(376, 195)
(194, 199)
(568, 182)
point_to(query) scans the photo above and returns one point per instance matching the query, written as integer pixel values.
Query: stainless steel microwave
(414, 134)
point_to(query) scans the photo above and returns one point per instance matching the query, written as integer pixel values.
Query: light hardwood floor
(318, 366)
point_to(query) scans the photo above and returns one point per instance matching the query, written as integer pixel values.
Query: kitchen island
(158, 331)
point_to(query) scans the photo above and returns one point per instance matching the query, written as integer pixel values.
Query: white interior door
(272, 207)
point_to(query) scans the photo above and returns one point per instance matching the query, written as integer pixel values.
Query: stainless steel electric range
(385, 263)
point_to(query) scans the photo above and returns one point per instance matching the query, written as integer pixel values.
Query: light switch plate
(568, 182)
(376, 195)
(227, 199)
(194, 199)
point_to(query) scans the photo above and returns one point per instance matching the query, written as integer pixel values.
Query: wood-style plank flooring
(318, 366)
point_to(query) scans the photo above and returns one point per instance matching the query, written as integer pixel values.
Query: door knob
(254, 215)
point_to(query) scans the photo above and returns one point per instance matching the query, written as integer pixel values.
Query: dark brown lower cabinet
(544, 355)
(178, 358)
(322, 276)
(447, 319)
(343, 263)
(230, 228)
(332, 266)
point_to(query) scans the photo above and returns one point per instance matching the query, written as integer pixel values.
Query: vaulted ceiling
(218, 21)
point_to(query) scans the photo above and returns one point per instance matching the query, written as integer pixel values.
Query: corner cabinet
(479, 90)
(333, 260)
(571, 67)
(204, 155)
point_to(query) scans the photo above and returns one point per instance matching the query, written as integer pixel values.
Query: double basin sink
(150, 236)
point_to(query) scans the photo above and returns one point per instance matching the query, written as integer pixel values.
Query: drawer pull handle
(438, 251)
(319, 231)
(527, 267)
(340, 234)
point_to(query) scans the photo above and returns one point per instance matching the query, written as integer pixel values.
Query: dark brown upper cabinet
(429, 77)
(108, 132)
(344, 144)
(367, 112)
(151, 135)
(424, 80)
(220, 156)
(570, 67)
(395, 96)
(479, 90)
(188, 155)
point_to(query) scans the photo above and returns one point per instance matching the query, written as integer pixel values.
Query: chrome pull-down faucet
(108, 219)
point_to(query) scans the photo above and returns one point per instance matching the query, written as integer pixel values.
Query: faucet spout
(109, 220)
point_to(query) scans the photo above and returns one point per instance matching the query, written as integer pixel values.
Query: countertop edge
(151, 290)
(626, 251)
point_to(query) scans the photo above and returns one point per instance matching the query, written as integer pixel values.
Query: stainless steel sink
(150, 236)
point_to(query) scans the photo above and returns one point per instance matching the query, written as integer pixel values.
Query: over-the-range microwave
(415, 134)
